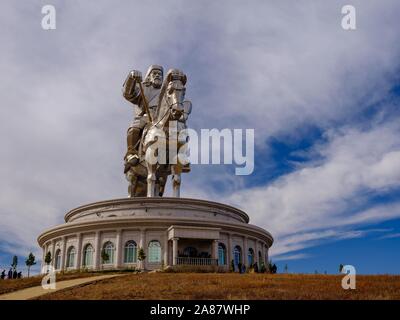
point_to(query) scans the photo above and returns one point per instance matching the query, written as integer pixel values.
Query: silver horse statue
(162, 134)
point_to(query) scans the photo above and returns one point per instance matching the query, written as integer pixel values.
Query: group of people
(12, 274)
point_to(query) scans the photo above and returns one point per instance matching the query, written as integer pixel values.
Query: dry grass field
(215, 286)
(18, 284)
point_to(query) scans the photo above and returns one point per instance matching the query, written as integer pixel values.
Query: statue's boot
(131, 158)
(186, 168)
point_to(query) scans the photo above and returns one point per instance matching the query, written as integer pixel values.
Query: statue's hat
(151, 68)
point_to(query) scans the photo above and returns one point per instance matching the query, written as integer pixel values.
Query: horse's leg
(151, 176)
(176, 179)
(130, 192)
(157, 188)
(163, 181)
(151, 180)
(132, 186)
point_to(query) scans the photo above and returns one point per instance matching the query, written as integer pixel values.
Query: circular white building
(171, 231)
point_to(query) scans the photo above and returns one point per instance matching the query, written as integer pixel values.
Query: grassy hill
(233, 286)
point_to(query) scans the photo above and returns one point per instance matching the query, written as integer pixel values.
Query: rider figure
(131, 92)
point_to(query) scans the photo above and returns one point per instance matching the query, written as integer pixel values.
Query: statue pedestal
(172, 232)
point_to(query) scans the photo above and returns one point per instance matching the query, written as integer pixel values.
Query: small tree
(47, 259)
(263, 269)
(104, 256)
(141, 257)
(30, 262)
(272, 268)
(240, 267)
(232, 266)
(14, 263)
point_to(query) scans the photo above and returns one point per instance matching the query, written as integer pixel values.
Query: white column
(256, 260)
(118, 249)
(46, 249)
(166, 250)
(97, 250)
(63, 253)
(230, 250)
(214, 249)
(53, 250)
(265, 253)
(174, 250)
(78, 257)
(245, 251)
(142, 244)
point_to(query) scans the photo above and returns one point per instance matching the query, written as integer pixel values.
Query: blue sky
(370, 254)
(324, 104)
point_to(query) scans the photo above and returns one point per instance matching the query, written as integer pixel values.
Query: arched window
(109, 249)
(130, 252)
(154, 251)
(250, 256)
(260, 259)
(88, 255)
(190, 252)
(221, 254)
(57, 265)
(237, 255)
(70, 257)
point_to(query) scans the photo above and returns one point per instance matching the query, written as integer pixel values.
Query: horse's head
(175, 92)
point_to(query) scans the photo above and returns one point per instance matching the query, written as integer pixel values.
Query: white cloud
(391, 236)
(332, 193)
(270, 66)
(292, 257)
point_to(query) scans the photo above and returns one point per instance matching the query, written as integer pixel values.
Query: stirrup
(186, 168)
(132, 160)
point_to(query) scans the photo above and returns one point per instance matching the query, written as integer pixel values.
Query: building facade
(171, 232)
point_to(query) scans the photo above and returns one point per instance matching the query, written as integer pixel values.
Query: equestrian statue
(158, 133)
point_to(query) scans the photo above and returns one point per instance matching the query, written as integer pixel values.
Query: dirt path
(34, 292)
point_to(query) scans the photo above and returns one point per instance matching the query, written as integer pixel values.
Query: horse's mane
(168, 78)
(161, 96)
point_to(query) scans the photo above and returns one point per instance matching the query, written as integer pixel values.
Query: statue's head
(175, 89)
(154, 76)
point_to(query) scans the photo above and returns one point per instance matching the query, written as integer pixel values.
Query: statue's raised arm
(130, 88)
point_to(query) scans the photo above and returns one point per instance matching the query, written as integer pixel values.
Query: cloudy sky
(323, 101)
